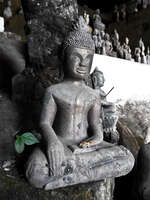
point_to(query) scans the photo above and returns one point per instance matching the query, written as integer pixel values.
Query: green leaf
(29, 139)
(19, 145)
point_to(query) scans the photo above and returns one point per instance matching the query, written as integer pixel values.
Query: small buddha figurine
(73, 150)
(137, 55)
(115, 40)
(97, 21)
(86, 17)
(148, 56)
(108, 44)
(126, 50)
(116, 15)
(141, 45)
(108, 109)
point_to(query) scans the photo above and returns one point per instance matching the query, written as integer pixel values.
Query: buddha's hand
(90, 142)
(55, 154)
(86, 144)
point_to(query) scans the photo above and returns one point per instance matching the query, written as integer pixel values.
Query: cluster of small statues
(111, 45)
(73, 121)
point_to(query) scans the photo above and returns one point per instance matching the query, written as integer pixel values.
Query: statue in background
(126, 50)
(115, 40)
(86, 17)
(97, 21)
(137, 55)
(141, 45)
(107, 44)
(116, 14)
(108, 112)
(97, 41)
(73, 150)
(148, 56)
(7, 13)
(123, 12)
(143, 57)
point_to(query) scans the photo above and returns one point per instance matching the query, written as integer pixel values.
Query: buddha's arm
(47, 117)
(95, 123)
(54, 148)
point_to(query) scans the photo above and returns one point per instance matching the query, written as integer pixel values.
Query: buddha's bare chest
(71, 98)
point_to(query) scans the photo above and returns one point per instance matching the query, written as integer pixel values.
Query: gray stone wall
(48, 22)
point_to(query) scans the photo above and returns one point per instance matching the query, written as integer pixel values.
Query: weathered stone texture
(8, 126)
(141, 189)
(48, 22)
(14, 188)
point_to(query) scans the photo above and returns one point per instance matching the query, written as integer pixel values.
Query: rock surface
(8, 126)
(142, 174)
(136, 116)
(133, 126)
(48, 22)
(13, 187)
(12, 58)
(127, 138)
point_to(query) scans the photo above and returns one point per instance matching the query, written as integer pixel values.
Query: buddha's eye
(76, 59)
(87, 61)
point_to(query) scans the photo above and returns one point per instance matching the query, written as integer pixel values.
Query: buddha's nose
(84, 63)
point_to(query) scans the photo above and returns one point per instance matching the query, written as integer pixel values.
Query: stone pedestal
(14, 188)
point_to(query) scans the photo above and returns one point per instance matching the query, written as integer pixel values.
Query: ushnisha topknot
(80, 37)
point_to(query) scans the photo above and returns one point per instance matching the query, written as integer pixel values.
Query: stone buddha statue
(108, 109)
(73, 150)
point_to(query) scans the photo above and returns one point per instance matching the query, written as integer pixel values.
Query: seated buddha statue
(73, 150)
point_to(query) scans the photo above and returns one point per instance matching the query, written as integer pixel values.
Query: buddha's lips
(82, 71)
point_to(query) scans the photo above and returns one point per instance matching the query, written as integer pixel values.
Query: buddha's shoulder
(56, 87)
(63, 86)
(92, 91)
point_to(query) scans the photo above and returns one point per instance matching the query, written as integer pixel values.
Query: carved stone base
(15, 188)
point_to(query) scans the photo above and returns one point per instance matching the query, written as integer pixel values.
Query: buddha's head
(127, 40)
(98, 78)
(97, 11)
(78, 51)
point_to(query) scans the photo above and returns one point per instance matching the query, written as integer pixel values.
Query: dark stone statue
(97, 21)
(137, 55)
(126, 50)
(73, 149)
(108, 109)
(148, 56)
(115, 40)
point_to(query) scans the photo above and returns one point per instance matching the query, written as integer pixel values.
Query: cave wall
(47, 23)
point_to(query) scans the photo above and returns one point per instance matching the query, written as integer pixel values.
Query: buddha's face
(78, 62)
(98, 80)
